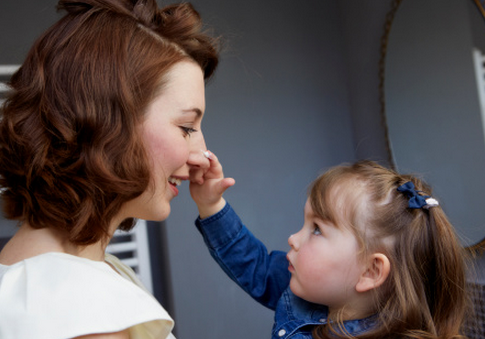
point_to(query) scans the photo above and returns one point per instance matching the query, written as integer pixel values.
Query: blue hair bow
(416, 201)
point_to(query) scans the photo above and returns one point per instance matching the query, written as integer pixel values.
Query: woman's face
(173, 139)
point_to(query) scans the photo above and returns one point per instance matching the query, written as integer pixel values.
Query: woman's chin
(163, 214)
(159, 213)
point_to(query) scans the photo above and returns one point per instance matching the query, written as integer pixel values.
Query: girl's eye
(187, 130)
(316, 230)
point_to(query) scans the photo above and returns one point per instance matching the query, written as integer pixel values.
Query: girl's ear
(377, 271)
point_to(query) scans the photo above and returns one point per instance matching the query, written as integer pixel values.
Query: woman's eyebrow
(197, 111)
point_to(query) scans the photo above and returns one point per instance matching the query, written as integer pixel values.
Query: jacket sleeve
(244, 258)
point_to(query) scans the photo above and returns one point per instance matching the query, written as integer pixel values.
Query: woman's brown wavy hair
(70, 154)
(424, 295)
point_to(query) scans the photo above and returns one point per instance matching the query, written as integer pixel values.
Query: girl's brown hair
(70, 154)
(424, 295)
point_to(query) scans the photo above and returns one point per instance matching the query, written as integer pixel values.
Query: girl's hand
(207, 193)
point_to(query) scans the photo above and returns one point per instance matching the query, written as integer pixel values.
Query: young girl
(376, 257)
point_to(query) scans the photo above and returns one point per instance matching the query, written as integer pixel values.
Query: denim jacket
(265, 277)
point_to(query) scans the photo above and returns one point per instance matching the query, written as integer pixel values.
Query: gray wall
(21, 21)
(363, 25)
(277, 114)
(297, 92)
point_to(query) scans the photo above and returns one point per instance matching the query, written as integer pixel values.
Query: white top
(60, 296)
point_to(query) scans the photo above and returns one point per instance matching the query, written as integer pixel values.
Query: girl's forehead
(308, 209)
(339, 201)
(308, 205)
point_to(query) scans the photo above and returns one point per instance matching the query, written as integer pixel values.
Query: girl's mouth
(290, 266)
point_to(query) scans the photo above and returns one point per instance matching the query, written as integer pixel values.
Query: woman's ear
(376, 272)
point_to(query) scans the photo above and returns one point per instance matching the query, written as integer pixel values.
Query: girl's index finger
(208, 155)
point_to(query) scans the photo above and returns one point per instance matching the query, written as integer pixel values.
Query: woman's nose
(197, 161)
(196, 152)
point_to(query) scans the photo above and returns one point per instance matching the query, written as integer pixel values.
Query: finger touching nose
(198, 166)
(197, 160)
(196, 153)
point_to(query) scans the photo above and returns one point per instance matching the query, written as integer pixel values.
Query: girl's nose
(293, 241)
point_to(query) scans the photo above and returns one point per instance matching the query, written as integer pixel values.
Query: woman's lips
(173, 183)
(174, 189)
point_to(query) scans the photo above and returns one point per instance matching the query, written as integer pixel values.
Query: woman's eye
(188, 130)
(316, 230)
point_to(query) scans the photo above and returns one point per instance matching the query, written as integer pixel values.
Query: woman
(102, 125)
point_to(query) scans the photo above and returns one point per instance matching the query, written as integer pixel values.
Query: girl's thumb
(225, 183)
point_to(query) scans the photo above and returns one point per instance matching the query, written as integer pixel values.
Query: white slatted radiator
(479, 62)
(132, 249)
(6, 72)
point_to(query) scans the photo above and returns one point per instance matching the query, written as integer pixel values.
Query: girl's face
(173, 139)
(324, 262)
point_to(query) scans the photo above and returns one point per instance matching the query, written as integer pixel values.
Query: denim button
(322, 320)
(281, 333)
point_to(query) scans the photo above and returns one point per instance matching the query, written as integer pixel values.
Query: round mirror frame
(478, 248)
